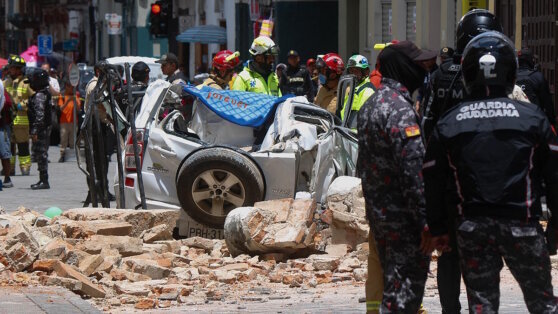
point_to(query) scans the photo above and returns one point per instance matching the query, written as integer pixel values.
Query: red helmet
(310, 61)
(332, 61)
(226, 60)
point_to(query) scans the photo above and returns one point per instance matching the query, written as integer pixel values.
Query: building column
(230, 17)
(399, 19)
(211, 19)
(518, 14)
(447, 23)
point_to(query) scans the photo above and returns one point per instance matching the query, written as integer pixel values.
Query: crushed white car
(210, 151)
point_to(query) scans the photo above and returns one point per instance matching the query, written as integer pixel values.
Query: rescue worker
(359, 67)
(19, 92)
(391, 151)
(169, 67)
(330, 68)
(533, 83)
(499, 151)
(39, 109)
(311, 67)
(296, 80)
(258, 76)
(222, 74)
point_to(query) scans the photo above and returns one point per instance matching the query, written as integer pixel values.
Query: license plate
(188, 227)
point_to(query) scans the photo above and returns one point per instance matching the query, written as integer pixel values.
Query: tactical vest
(294, 82)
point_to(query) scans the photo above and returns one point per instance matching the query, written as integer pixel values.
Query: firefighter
(19, 92)
(359, 67)
(222, 74)
(39, 109)
(330, 68)
(258, 76)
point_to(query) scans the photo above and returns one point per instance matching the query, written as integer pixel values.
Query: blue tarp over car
(242, 108)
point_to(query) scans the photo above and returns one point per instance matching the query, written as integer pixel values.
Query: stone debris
(128, 258)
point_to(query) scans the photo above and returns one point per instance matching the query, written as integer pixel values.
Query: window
(411, 31)
(386, 22)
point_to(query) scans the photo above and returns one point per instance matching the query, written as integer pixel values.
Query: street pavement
(68, 187)
(51, 300)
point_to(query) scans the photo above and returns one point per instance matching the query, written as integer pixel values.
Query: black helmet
(489, 60)
(140, 71)
(473, 23)
(38, 79)
(16, 61)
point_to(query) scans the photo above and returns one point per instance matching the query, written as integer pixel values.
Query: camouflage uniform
(498, 164)
(391, 152)
(522, 246)
(39, 117)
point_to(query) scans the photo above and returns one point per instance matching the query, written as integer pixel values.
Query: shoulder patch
(412, 131)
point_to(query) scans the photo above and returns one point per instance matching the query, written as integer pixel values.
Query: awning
(204, 34)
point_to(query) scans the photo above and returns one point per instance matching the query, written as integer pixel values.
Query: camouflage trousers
(40, 149)
(483, 242)
(405, 267)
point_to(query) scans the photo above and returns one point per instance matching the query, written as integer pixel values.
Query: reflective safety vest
(251, 81)
(362, 92)
(20, 93)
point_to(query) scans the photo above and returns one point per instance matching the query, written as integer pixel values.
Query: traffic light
(160, 17)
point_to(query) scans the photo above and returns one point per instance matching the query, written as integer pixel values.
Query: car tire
(214, 181)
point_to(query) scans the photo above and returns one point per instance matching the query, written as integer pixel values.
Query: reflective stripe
(553, 147)
(429, 164)
(373, 305)
(24, 161)
(21, 120)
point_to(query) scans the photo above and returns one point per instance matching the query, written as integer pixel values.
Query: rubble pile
(129, 257)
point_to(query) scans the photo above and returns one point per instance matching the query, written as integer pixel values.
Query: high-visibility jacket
(363, 91)
(252, 81)
(20, 93)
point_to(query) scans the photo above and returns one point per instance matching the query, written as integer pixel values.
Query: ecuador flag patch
(412, 131)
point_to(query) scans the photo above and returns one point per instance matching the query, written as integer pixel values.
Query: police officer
(19, 92)
(222, 73)
(446, 85)
(389, 163)
(446, 91)
(258, 76)
(169, 67)
(39, 110)
(533, 83)
(499, 151)
(296, 80)
(359, 67)
(330, 68)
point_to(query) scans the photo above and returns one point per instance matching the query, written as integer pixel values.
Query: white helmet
(263, 45)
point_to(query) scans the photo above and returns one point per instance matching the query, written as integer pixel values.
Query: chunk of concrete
(87, 288)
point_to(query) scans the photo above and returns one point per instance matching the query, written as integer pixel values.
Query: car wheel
(214, 181)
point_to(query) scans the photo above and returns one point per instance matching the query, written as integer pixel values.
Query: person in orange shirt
(66, 104)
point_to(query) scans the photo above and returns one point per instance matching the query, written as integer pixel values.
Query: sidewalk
(37, 300)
